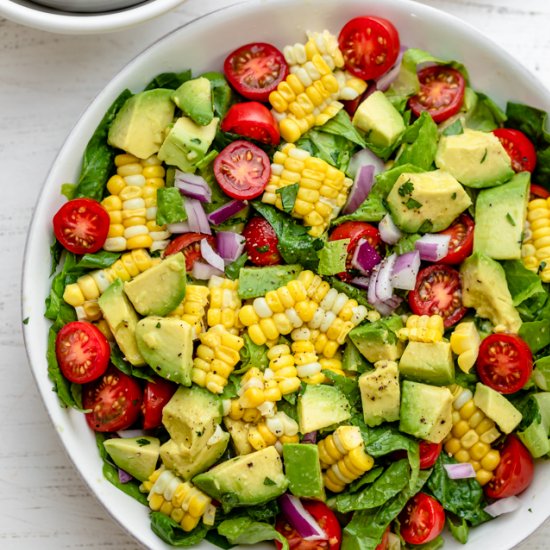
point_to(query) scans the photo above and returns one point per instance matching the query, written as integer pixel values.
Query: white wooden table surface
(46, 81)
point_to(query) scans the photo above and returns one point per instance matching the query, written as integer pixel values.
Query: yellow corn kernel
(483, 477)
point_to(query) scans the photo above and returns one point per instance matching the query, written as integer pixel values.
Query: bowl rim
(56, 21)
(119, 78)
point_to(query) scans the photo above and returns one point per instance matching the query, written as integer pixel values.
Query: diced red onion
(310, 437)
(433, 246)
(211, 256)
(365, 157)
(384, 287)
(180, 227)
(130, 433)
(460, 471)
(389, 306)
(193, 185)
(123, 476)
(371, 292)
(204, 271)
(360, 282)
(226, 211)
(385, 81)
(503, 506)
(196, 219)
(230, 245)
(365, 257)
(389, 232)
(405, 270)
(300, 518)
(360, 189)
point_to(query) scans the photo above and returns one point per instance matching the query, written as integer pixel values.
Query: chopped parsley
(26, 321)
(453, 196)
(157, 325)
(510, 219)
(262, 249)
(406, 189)
(484, 157)
(541, 268)
(268, 481)
(412, 203)
(142, 442)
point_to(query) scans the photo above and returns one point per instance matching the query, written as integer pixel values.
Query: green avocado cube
(431, 363)
(194, 98)
(502, 211)
(257, 281)
(497, 408)
(136, 455)
(378, 341)
(303, 470)
(426, 411)
(380, 393)
(321, 406)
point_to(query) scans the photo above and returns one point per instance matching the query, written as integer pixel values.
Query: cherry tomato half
(255, 70)
(113, 400)
(438, 291)
(155, 395)
(81, 226)
(327, 521)
(428, 453)
(461, 244)
(190, 245)
(441, 92)
(261, 242)
(514, 472)
(242, 170)
(252, 120)
(354, 231)
(539, 192)
(521, 151)
(504, 363)
(422, 519)
(82, 352)
(370, 46)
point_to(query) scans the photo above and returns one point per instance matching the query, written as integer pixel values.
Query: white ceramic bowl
(203, 45)
(119, 15)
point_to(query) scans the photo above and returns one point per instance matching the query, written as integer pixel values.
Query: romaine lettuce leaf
(419, 143)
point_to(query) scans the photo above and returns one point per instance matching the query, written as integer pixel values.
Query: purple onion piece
(432, 247)
(361, 188)
(211, 256)
(300, 518)
(193, 185)
(371, 292)
(360, 282)
(460, 471)
(310, 437)
(180, 227)
(384, 287)
(123, 476)
(204, 271)
(230, 245)
(385, 81)
(389, 232)
(503, 506)
(405, 270)
(224, 212)
(365, 157)
(365, 257)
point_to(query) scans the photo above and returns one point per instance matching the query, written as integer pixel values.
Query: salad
(305, 299)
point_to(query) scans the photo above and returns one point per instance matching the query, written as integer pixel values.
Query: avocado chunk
(500, 219)
(194, 98)
(476, 159)
(187, 143)
(431, 363)
(246, 480)
(303, 470)
(321, 406)
(535, 436)
(426, 411)
(139, 126)
(380, 393)
(497, 408)
(257, 281)
(378, 341)
(484, 288)
(136, 455)
(166, 344)
(426, 201)
(192, 418)
(159, 289)
(238, 430)
(122, 320)
(379, 119)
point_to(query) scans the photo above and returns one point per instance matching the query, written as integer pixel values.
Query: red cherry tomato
(155, 395)
(370, 46)
(438, 291)
(354, 231)
(428, 453)
(514, 472)
(81, 226)
(461, 244)
(113, 400)
(82, 352)
(255, 70)
(441, 93)
(327, 521)
(190, 245)
(504, 363)
(252, 120)
(521, 151)
(242, 169)
(261, 242)
(422, 519)
(539, 192)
